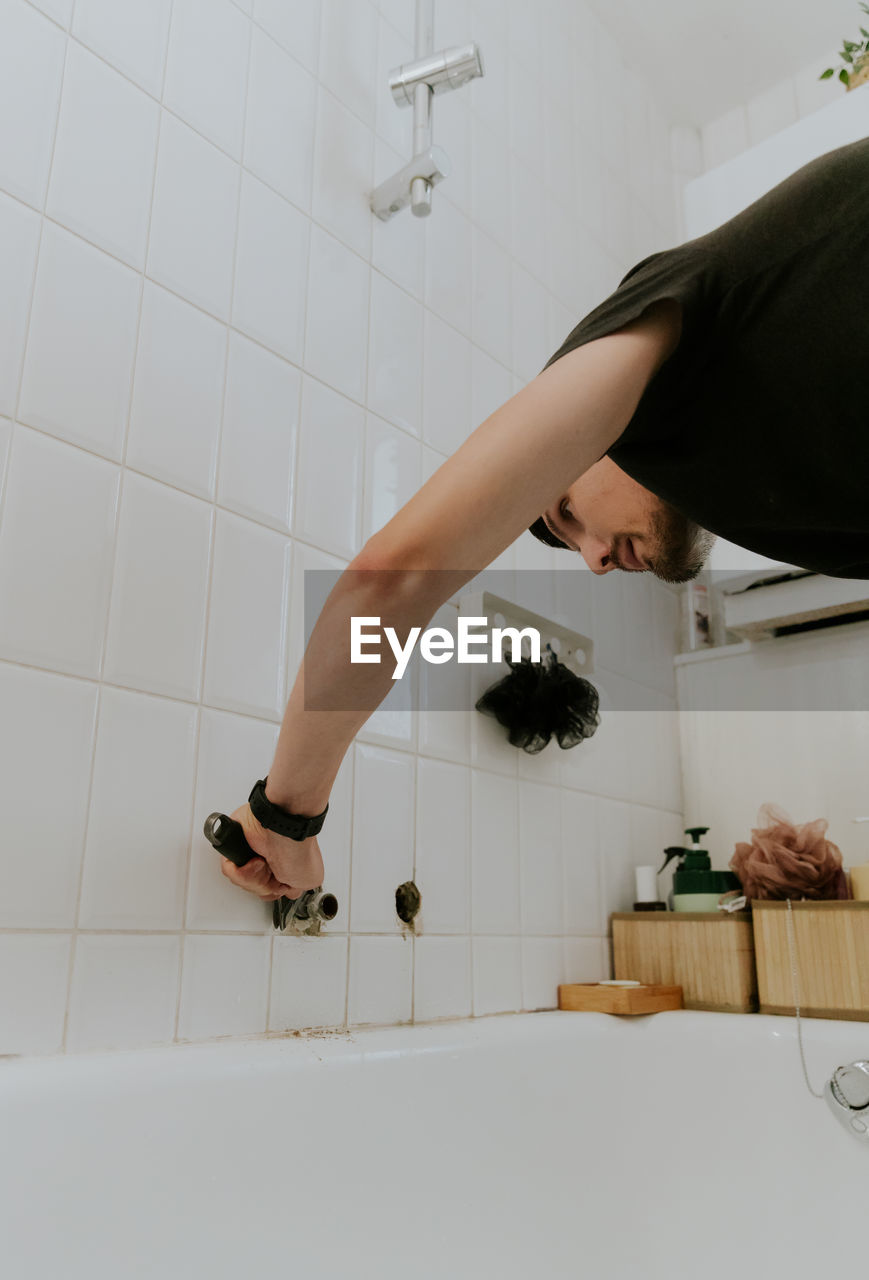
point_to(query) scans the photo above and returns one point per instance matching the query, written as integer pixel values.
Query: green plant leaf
(864, 32)
(844, 77)
(825, 75)
(847, 57)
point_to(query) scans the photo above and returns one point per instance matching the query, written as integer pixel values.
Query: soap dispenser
(696, 887)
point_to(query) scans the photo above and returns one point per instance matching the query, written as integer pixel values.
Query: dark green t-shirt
(758, 426)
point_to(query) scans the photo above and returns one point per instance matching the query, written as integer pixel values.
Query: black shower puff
(541, 700)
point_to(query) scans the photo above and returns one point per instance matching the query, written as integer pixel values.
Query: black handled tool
(227, 836)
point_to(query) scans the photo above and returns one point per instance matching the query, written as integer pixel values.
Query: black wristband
(273, 818)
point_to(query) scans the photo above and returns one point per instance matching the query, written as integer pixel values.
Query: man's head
(614, 523)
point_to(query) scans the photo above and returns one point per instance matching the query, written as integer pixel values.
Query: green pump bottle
(696, 887)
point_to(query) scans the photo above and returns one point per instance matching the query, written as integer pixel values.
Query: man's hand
(284, 868)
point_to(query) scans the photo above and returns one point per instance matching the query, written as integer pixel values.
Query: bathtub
(682, 1145)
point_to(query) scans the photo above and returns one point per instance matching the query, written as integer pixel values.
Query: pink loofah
(787, 861)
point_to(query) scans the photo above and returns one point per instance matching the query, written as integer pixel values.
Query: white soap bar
(619, 982)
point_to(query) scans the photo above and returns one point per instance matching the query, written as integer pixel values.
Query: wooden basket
(710, 957)
(831, 940)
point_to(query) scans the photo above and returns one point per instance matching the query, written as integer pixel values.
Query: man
(720, 390)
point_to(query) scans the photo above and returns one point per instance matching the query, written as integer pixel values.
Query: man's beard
(680, 546)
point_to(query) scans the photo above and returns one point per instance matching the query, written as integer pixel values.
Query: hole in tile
(408, 900)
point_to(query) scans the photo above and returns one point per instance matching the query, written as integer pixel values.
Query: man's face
(614, 523)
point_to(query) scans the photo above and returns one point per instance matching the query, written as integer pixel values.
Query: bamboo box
(711, 957)
(831, 942)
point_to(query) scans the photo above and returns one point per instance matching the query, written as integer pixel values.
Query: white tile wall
(218, 370)
(19, 241)
(31, 70)
(81, 345)
(56, 546)
(247, 618)
(279, 127)
(193, 222)
(177, 393)
(135, 869)
(271, 269)
(206, 69)
(157, 618)
(130, 35)
(104, 157)
(260, 428)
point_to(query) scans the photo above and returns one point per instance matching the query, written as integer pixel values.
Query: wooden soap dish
(597, 997)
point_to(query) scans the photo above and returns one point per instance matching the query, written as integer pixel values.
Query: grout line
(74, 932)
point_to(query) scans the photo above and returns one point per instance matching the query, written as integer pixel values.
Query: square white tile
(206, 69)
(106, 969)
(382, 836)
(135, 867)
(530, 351)
(542, 970)
(309, 983)
(234, 751)
(441, 978)
(348, 54)
(617, 859)
(528, 230)
(224, 986)
(448, 279)
(336, 343)
(296, 27)
(328, 497)
(443, 851)
(381, 981)
(271, 270)
(491, 326)
(586, 960)
(102, 175)
(497, 965)
(540, 861)
(193, 221)
(34, 973)
(79, 359)
(581, 856)
(395, 355)
(491, 386)
(394, 123)
(392, 466)
(177, 393)
(258, 439)
(58, 531)
(130, 35)
(490, 181)
(446, 396)
(247, 618)
(157, 616)
(31, 69)
(343, 166)
(494, 854)
(307, 599)
(19, 240)
(46, 746)
(280, 120)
